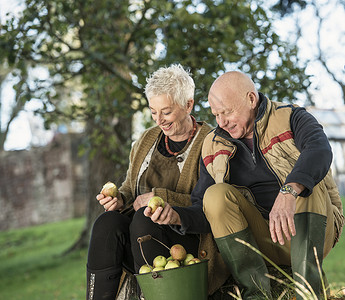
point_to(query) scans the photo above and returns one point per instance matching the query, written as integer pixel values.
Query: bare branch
(321, 54)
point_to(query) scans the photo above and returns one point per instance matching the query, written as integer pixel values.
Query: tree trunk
(102, 168)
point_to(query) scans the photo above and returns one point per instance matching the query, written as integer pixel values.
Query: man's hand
(110, 203)
(281, 219)
(142, 200)
(166, 216)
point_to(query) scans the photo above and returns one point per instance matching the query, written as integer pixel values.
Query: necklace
(189, 139)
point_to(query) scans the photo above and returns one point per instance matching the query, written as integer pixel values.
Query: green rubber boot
(310, 233)
(246, 266)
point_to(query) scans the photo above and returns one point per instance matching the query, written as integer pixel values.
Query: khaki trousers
(228, 212)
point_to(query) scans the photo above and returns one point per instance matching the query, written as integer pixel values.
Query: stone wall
(44, 184)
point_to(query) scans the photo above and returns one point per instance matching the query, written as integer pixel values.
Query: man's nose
(221, 121)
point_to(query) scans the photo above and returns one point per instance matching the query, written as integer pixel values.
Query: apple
(172, 264)
(194, 261)
(145, 269)
(169, 258)
(188, 258)
(155, 202)
(109, 189)
(156, 269)
(178, 252)
(159, 261)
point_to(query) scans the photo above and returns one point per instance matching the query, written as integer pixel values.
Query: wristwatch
(287, 189)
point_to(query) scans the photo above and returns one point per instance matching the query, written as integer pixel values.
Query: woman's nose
(159, 119)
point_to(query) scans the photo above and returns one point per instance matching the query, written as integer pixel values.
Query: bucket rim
(179, 268)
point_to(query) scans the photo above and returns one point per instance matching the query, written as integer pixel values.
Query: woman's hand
(110, 203)
(166, 216)
(142, 200)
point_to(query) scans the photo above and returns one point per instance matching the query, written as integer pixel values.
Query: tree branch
(137, 26)
(321, 56)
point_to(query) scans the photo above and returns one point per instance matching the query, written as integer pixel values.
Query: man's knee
(217, 197)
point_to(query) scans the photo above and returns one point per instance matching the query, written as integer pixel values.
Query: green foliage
(285, 7)
(214, 36)
(102, 51)
(99, 53)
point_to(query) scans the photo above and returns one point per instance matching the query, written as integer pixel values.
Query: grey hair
(173, 81)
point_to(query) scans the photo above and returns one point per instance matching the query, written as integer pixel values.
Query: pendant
(179, 159)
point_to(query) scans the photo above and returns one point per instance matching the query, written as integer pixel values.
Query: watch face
(286, 189)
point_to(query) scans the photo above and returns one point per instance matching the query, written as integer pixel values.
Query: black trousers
(114, 241)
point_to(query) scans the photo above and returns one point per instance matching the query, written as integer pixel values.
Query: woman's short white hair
(173, 81)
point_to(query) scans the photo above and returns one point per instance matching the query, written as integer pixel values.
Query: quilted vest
(276, 143)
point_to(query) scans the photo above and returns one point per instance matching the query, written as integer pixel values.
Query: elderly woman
(163, 162)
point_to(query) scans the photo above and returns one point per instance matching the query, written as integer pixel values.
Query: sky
(326, 93)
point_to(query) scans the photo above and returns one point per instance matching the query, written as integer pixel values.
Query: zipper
(253, 157)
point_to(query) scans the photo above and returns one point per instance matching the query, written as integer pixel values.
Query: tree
(286, 7)
(103, 50)
(22, 95)
(317, 26)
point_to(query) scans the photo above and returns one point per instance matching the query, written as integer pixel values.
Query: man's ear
(253, 99)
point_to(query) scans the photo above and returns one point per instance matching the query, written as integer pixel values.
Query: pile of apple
(178, 258)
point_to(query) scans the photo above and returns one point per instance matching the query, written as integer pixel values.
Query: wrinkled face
(235, 114)
(170, 117)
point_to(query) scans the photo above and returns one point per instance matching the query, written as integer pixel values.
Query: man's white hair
(174, 81)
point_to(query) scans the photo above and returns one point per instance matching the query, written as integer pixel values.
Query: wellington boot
(310, 234)
(103, 284)
(246, 266)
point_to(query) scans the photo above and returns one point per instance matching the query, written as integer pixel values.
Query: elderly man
(265, 178)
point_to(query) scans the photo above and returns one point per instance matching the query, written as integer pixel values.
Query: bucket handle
(146, 238)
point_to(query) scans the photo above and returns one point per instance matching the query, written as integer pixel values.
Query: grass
(334, 266)
(32, 268)
(31, 265)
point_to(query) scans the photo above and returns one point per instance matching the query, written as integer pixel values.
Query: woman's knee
(141, 224)
(110, 221)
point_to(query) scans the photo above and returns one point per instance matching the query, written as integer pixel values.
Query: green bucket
(183, 283)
